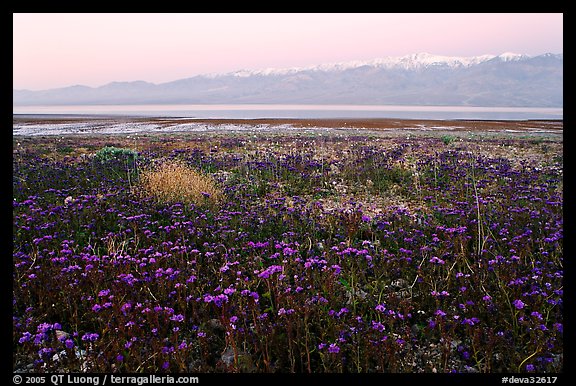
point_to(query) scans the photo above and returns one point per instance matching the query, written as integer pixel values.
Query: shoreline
(34, 125)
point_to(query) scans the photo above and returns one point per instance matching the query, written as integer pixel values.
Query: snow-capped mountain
(408, 62)
(508, 79)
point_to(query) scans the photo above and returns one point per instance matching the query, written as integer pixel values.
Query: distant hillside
(420, 79)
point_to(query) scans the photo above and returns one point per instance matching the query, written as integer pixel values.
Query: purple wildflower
(125, 307)
(220, 299)
(380, 308)
(269, 271)
(559, 327)
(283, 311)
(39, 338)
(208, 298)
(470, 321)
(333, 348)
(45, 352)
(378, 326)
(436, 260)
(90, 337)
(25, 337)
(44, 327)
(336, 269)
(519, 304)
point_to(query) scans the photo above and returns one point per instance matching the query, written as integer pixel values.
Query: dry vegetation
(173, 181)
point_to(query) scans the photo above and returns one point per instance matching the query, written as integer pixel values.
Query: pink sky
(59, 50)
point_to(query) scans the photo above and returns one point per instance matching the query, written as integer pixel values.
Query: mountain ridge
(508, 79)
(411, 61)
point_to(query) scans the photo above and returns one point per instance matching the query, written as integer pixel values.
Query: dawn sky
(59, 50)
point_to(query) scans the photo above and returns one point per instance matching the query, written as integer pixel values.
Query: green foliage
(448, 139)
(385, 178)
(120, 164)
(110, 153)
(65, 150)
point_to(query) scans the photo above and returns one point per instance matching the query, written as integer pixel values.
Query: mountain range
(510, 80)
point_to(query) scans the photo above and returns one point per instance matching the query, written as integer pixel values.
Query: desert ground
(61, 125)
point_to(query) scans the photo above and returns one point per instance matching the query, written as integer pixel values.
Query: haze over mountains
(507, 80)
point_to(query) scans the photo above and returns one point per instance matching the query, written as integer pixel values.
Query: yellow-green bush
(174, 181)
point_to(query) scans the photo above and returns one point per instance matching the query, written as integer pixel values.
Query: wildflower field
(296, 253)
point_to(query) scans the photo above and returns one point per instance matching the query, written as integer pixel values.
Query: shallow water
(253, 111)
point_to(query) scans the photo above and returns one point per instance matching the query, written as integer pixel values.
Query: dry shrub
(174, 181)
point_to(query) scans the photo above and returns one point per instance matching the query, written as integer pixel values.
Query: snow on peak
(407, 62)
(511, 56)
(424, 59)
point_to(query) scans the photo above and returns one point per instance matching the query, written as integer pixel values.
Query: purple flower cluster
(306, 266)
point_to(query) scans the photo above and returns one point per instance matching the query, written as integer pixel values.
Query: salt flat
(94, 125)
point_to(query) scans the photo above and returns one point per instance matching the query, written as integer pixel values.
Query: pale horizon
(61, 50)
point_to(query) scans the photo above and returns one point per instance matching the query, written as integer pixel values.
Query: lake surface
(253, 111)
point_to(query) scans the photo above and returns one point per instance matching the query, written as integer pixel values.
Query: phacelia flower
(69, 343)
(333, 348)
(519, 304)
